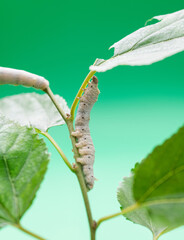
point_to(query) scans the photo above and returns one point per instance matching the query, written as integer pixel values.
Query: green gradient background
(137, 109)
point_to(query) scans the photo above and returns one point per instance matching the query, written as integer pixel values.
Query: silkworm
(82, 131)
(20, 77)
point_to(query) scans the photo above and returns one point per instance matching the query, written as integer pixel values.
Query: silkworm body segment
(20, 77)
(82, 131)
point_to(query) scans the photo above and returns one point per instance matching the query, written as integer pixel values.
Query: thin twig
(58, 149)
(78, 168)
(124, 211)
(79, 94)
(52, 97)
(28, 232)
(81, 181)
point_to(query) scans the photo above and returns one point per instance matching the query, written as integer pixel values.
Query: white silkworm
(82, 132)
(20, 77)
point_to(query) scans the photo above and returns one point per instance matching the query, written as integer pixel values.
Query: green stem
(81, 180)
(78, 168)
(93, 233)
(124, 211)
(52, 97)
(79, 94)
(58, 149)
(28, 232)
(86, 202)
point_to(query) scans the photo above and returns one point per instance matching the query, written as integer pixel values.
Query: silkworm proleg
(82, 131)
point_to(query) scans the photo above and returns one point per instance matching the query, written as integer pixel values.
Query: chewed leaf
(140, 216)
(148, 44)
(32, 109)
(23, 163)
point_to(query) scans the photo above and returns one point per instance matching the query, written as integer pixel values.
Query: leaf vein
(161, 181)
(25, 162)
(15, 199)
(152, 33)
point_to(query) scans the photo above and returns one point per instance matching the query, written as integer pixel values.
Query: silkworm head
(95, 79)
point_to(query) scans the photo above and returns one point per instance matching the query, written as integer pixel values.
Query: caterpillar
(82, 131)
(20, 77)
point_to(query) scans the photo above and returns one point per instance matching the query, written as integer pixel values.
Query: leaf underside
(148, 44)
(33, 110)
(140, 216)
(23, 163)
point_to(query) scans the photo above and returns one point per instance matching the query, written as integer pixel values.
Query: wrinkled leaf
(23, 163)
(148, 44)
(159, 181)
(140, 216)
(32, 109)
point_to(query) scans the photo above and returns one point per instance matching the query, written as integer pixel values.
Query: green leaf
(148, 44)
(159, 181)
(33, 110)
(23, 163)
(140, 216)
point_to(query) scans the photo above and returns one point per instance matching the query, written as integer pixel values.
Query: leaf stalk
(28, 232)
(58, 149)
(52, 97)
(124, 211)
(79, 94)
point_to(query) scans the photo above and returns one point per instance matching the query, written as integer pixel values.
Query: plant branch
(124, 211)
(78, 168)
(28, 232)
(79, 94)
(52, 97)
(58, 149)
(81, 180)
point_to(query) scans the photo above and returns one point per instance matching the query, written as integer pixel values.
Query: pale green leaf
(159, 181)
(148, 44)
(140, 216)
(23, 163)
(32, 109)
